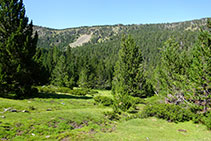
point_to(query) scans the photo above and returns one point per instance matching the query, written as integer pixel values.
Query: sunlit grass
(51, 118)
(61, 116)
(156, 130)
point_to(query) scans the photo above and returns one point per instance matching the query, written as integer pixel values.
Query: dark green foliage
(168, 112)
(112, 115)
(184, 73)
(61, 67)
(184, 77)
(206, 120)
(80, 92)
(104, 100)
(176, 113)
(17, 50)
(92, 64)
(129, 71)
(200, 70)
(173, 68)
(123, 103)
(59, 75)
(138, 100)
(129, 79)
(86, 77)
(203, 118)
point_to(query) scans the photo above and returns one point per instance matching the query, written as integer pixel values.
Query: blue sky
(74, 13)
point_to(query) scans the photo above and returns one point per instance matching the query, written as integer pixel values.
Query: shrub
(63, 90)
(92, 92)
(207, 120)
(79, 92)
(168, 112)
(46, 89)
(104, 100)
(53, 89)
(112, 115)
(138, 100)
(204, 118)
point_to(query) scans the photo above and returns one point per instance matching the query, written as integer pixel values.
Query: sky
(62, 14)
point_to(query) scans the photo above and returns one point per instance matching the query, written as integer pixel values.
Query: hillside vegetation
(92, 64)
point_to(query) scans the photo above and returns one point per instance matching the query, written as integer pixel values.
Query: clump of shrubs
(46, 89)
(170, 112)
(111, 115)
(104, 100)
(77, 92)
(176, 113)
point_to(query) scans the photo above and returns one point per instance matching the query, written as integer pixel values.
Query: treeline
(88, 66)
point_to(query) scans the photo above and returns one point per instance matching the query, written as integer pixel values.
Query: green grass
(69, 117)
(156, 130)
(54, 116)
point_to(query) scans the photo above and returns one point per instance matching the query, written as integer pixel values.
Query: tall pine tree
(173, 69)
(17, 49)
(200, 70)
(60, 75)
(128, 78)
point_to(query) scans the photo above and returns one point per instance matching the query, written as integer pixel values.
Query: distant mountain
(73, 37)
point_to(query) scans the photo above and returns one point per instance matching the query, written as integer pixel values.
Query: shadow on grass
(8, 96)
(60, 96)
(46, 95)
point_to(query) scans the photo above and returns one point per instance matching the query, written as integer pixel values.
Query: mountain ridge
(51, 28)
(62, 38)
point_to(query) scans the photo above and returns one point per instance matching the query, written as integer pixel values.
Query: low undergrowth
(176, 113)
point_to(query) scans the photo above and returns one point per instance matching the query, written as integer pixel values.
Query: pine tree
(17, 49)
(71, 67)
(185, 75)
(128, 77)
(200, 70)
(172, 72)
(170, 66)
(86, 77)
(59, 75)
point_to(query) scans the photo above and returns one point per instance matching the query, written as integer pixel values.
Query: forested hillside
(92, 64)
(62, 38)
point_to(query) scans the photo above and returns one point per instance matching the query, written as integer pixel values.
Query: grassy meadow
(62, 116)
